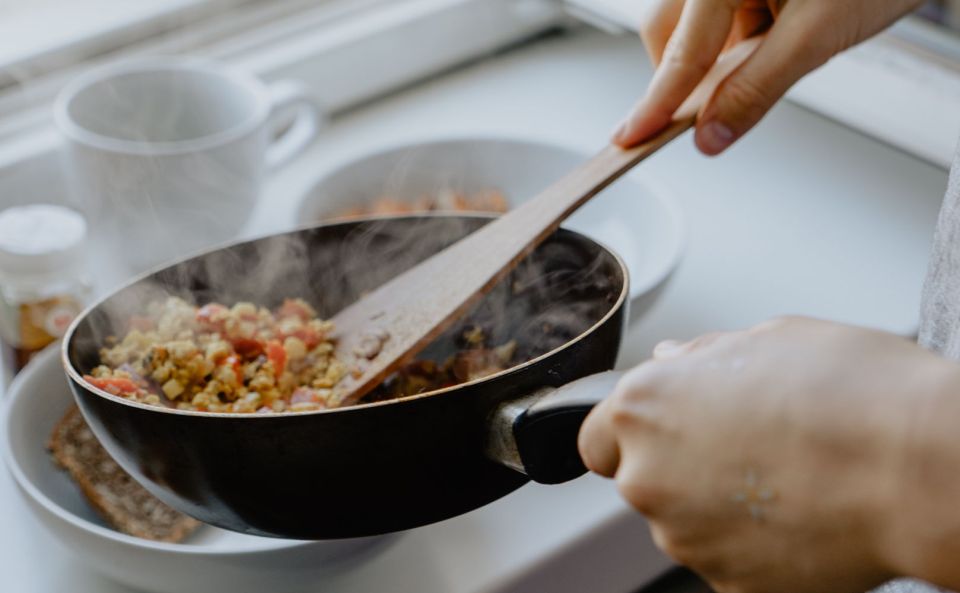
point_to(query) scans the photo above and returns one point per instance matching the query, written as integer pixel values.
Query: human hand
(684, 38)
(772, 459)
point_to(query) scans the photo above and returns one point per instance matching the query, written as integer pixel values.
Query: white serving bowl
(211, 560)
(634, 216)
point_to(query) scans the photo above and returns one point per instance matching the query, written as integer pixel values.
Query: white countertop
(802, 217)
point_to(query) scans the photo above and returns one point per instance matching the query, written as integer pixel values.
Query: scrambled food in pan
(474, 360)
(215, 358)
(245, 359)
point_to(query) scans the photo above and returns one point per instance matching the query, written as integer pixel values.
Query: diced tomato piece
(277, 355)
(114, 385)
(294, 308)
(141, 323)
(211, 316)
(247, 348)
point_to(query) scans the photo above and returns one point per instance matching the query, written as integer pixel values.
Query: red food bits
(247, 348)
(277, 355)
(114, 385)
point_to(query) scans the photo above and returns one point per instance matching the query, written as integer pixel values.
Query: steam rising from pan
(548, 300)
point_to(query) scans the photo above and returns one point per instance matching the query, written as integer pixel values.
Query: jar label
(59, 319)
(42, 322)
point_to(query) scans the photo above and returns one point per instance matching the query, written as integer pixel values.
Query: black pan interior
(553, 296)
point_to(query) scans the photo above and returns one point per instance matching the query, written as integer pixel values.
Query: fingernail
(620, 131)
(715, 137)
(667, 348)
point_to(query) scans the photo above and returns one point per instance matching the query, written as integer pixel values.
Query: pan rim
(76, 377)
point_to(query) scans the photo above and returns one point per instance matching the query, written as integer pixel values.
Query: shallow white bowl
(634, 216)
(211, 560)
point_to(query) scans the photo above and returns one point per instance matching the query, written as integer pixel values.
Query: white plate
(633, 217)
(210, 560)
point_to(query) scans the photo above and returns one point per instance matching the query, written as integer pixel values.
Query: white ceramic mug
(168, 155)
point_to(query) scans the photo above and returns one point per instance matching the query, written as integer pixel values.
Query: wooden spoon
(390, 325)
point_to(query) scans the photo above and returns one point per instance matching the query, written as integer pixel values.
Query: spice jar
(43, 285)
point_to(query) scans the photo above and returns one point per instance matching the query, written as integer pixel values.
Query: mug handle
(284, 96)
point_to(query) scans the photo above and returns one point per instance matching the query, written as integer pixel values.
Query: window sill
(901, 87)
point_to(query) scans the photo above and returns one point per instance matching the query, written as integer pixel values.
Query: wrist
(918, 497)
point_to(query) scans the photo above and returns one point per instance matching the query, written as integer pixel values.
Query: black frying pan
(382, 466)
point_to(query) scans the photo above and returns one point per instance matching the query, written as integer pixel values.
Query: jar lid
(40, 239)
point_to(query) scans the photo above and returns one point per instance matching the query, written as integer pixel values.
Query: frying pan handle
(537, 434)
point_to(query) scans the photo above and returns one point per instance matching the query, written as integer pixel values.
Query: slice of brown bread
(122, 502)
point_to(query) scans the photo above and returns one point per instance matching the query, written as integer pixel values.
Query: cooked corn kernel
(172, 389)
(295, 348)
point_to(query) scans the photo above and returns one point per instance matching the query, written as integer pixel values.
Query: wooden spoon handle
(547, 210)
(533, 221)
(393, 323)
